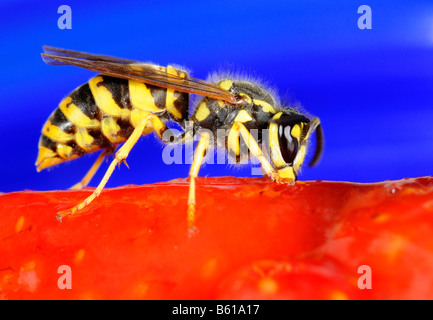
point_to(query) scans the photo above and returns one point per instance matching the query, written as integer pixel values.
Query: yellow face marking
(110, 128)
(64, 151)
(299, 158)
(55, 133)
(202, 111)
(246, 97)
(296, 132)
(104, 100)
(170, 98)
(141, 97)
(266, 107)
(287, 173)
(226, 84)
(276, 157)
(85, 140)
(75, 115)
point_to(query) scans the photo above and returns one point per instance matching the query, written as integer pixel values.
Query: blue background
(372, 89)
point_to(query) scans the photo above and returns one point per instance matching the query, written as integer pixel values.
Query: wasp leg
(120, 156)
(89, 175)
(202, 146)
(255, 149)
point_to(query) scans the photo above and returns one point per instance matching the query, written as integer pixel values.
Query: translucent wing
(135, 70)
(82, 55)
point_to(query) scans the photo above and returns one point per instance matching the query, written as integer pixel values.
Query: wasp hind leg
(202, 146)
(120, 157)
(92, 171)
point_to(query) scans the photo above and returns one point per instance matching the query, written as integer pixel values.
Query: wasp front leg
(202, 146)
(239, 128)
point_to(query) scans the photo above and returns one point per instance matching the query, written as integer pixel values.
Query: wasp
(129, 99)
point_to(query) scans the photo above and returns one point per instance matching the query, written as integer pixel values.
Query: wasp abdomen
(101, 114)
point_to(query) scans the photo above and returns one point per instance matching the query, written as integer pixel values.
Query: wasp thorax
(247, 91)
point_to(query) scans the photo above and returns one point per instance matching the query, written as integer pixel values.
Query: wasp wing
(83, 55)
(135, 70)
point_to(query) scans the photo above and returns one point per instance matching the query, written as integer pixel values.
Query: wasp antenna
(319, 143)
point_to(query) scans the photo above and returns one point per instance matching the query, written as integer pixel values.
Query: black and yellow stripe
(255, 113)
(103, 113)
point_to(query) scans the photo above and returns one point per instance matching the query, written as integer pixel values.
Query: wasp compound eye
(288, 144)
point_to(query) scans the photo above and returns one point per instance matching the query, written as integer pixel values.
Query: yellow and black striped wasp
(129, 99)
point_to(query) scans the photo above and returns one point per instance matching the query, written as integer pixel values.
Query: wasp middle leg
(237, 129)
(202, 146)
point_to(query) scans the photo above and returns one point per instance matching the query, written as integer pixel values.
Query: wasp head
(289, 133)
